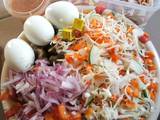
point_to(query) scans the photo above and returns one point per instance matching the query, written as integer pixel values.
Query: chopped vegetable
(94, 55)
(100, 8)
(144, 38)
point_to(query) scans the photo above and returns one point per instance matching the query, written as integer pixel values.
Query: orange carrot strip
(88, 113)
(49, 116)
(142, 78)
(69, 59)
(135, 84)
(149, 54)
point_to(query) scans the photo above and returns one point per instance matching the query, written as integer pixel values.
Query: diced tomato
(60, 113)
(49, 116)
(13, 110)
(144, 38)
(122, 72)
(100, 7)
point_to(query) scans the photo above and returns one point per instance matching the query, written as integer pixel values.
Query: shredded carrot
(60, 112)
(129, 90)
(130, 104)
(69, 58)
(135, 84)
(79, 57)
(136, 93)
(88, 113)
(130, 29)
(153, 86)
(142, 78)
(111, 51)
(114, 98)
(148, 61)
(114, 58)
(78, 45)
(149, 55)
(152, 67)
(153, 95)
(49, 116)
(94, 24)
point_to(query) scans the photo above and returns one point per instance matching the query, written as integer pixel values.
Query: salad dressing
(25, 5)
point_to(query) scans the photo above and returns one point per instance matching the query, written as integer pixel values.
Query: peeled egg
(62, 13)
(38, 30)
(19, 55)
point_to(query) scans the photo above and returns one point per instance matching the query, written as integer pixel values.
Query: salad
(104, 72)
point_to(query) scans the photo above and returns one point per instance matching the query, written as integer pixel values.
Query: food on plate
(19, 55)
(106, 72)
(62, 13)
(38, 30)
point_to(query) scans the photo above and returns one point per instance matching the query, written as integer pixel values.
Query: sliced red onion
(44, 86)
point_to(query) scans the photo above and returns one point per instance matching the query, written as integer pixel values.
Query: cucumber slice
(94, 55)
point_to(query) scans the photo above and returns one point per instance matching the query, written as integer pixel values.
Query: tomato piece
(60, 113)
(13, 110)
(49, 116)
(100, 7)
(144, 38)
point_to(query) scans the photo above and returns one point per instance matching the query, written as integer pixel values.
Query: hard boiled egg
(62, 13)
(19, 55)
(38, 30)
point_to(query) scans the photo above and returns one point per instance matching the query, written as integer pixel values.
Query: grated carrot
(88, 113)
